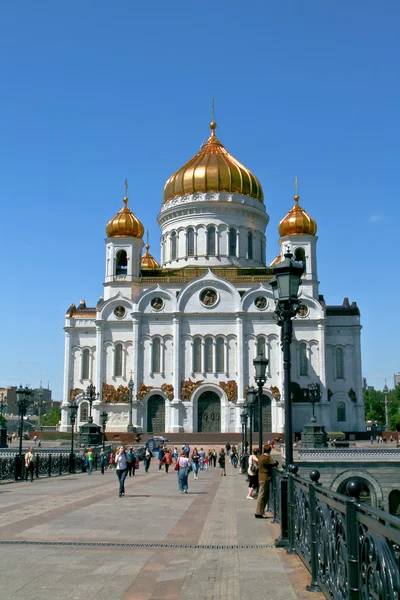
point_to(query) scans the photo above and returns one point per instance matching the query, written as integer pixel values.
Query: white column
(67, 381)
(174, 406)
(226, 357)
(237, 243)
(240, 354)
(100, 359)
(162, 357)
(195, 242)
(135, 364)
(113, 361)
(214, 357)
(150, 365)
(217, 242)
(321, 362)
(203, 357)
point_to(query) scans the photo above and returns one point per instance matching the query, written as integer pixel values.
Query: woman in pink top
(183, 472)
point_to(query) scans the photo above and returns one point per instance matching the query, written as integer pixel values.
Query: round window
(261, 302)
(120, 312)
(302, 311)
(208, 297)
(157, 303)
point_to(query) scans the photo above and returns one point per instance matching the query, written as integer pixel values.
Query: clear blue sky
(94, 91)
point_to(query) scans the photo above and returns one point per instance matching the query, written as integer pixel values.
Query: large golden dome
(125, 224)
(297, 222)
(213, 169)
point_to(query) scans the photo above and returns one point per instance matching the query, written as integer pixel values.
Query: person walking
(195, 462)
(202, 455)
(103, 459)
(175, 455)
(214, 457)
(183, 465)
(252, 472)
(131, 462)
(122, 469)
(147, 459)
(90, 461)
(112, 459)
(29, 464)
(234, 457)
(167, 460)
(161, 458)
(221, 461)
(265, 464)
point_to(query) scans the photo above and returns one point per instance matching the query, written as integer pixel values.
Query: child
(206, 463)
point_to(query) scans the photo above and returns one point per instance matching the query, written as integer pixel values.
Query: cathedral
(174, 343)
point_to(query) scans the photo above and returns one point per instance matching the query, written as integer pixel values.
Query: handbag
(176, 467)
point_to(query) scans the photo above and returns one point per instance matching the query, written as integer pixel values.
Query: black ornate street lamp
(3, 427)
(39, 403)
(251, 400)
(103, 418)
(243, 422)
(23, 400)
(260, 364)
(73, 410)
(91, 397)
(386, 391)
(285, 287)
(131, 387)
(314, 396)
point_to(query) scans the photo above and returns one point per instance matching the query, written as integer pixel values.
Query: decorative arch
(155, 411)
(362, 474)
(121, 262)
(208, 387)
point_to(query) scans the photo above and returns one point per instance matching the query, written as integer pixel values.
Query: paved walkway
(73, 538)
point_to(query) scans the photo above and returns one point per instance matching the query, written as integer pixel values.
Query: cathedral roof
(148, 261)
(213, 169)
(125, 224)
(297, 222)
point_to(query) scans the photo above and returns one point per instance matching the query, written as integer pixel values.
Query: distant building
(364, 383)
(10, 396)
(396, 378)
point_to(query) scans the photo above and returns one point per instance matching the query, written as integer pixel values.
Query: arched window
(208, 356)
(250, 245)
(211, 241)
(85, 364)
(341, 412)
(190, 241)
(232, 241)
(156, 356)
(394, 503)
(173, 245)
(300, 256)
(303, 361)
(121, 263)
(118, 361)
(84, 411)
(197, 355)
(220, 355)
(339, 363)
(261, 346)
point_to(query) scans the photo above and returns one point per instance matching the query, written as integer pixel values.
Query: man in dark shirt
(265, 464)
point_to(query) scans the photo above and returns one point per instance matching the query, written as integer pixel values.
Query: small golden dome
(213, 169)
(148, 261)
(297, 222)
(125, 224)
(277, 260)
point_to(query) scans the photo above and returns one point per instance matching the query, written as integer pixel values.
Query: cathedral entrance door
(266, 415)
(156, 414)
(209, 412)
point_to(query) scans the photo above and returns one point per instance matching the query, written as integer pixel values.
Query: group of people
(259, 474)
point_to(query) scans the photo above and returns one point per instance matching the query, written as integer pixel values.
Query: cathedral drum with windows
(178, 339)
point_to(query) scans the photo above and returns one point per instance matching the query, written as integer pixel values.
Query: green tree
(53, 417)
(3, 421)
(374, 406)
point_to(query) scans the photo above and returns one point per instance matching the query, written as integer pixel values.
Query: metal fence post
(60, 466)
(49, 465)
(313, 587)
(353, 489)
(37, 466)
(293, 469)
(283, 541)
(275, 495)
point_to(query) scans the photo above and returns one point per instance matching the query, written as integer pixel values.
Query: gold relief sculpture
(143, 389)
(187, 388)
(230, 389)
(168, 389)
(74, 393)
(275, 392)
(112, 395)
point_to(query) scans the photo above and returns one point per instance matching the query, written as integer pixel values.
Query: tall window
(118, 360)
(211, 241)
(121, 263)
(190, 241)
(173, 245)
(197, 355)
(156, 356)
(303, 359)
(232, 242)
(341, 411)
(300, 256)
(84, 411)
(85, 364)
(250, 245)
(261, 347)
(220, 355)
(339, 363)
(208, 356)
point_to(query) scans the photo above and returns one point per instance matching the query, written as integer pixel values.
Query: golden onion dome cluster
(125, 224)
(148, 261)
(213, 169)
(297, 222)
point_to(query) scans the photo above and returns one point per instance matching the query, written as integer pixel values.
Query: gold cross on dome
(296, 185)
(212, 111)
(131, 373)
(126, 187)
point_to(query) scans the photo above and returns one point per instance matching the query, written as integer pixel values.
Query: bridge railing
(46, 464)
(351, 549)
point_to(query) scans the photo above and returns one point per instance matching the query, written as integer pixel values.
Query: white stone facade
(183, 345)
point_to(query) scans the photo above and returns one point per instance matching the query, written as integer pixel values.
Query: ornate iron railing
(46, 464)
(351, 549)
